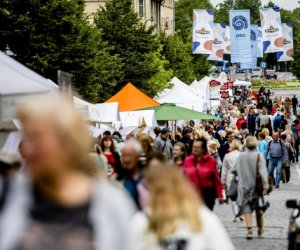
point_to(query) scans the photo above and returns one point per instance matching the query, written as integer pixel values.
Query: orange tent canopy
(131, 98)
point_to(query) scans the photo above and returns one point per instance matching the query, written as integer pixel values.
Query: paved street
(276, 219)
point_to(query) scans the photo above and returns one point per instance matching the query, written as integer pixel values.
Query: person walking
(277, 153)
(227, 176)
(286, 165)
(295, 104)
(201, 169)
(163, 145)
(179, 153)
(248, 164)
(262, 144)
(175, 218)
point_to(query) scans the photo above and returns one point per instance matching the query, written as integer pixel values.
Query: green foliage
(296, 62)
(135, 43)
(50, 35)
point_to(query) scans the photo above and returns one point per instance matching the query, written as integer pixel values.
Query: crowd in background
(67, 191)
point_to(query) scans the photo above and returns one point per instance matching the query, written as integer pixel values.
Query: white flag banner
(227, 49)
(260, 46)
(288, 44)
(218, 43)
(203, 24)
(271, 29)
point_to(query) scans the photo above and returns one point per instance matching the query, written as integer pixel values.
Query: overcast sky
(286, 4)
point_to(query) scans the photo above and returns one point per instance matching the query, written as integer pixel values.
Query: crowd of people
(65, 190)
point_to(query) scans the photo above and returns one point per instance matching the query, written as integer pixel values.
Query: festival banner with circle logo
(218, 43)
(253, 35)
(288, 44)
(203, 25)
(260, 46)
(240, 36)
(227, 41)
(271, 27)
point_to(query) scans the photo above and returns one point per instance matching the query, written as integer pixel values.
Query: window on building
(141, 8)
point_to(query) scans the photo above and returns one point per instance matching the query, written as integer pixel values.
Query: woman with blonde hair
(61, 195)
(247, 166)
(266, 131)
(175, 217)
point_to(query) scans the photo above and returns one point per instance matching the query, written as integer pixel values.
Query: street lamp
(8, 52)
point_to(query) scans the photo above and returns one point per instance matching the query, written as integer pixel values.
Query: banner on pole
(203, 24)
(288, 43)
(260, 46)
(271, 29)
(218, 43)
(227, 41)
(254, 35)
(240, 36)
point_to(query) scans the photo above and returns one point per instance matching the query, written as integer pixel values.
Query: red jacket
(239, 123)
(207, 176)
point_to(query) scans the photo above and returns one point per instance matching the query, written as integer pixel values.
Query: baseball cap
(165, 130)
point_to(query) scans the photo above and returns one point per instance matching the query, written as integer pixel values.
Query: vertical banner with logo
(270, 20)
(253, 35)
(218, 43)
(288, 43)
(260, 46)
(240, 36)
(203, 24)
(227, 40)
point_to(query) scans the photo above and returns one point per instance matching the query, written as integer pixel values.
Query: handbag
(232, 192)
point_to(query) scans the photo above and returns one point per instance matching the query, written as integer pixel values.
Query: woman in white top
(175, 217)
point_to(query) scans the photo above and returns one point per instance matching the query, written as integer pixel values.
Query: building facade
(159, 13)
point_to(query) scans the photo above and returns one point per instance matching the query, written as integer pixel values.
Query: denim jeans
(275, 163)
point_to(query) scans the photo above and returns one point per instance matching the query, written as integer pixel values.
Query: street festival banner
(203, 24)
(288, 43)
(227, 41)
(271, 29)
(260, 46)
(218, 43)
(214, 89)
(253, 35)
(240, 36)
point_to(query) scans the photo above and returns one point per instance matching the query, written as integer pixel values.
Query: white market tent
(88, 111)
(182, 95)
(138, 118)
(17, 84)
(109, 112)
(241, 83)
(202, 89)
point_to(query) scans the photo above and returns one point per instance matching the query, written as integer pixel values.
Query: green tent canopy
(171, 112)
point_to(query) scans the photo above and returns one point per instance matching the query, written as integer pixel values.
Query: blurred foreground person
(248, 165)
(201, 169)
(175, 218)
(62, 203)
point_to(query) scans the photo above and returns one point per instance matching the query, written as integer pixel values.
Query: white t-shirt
(212, 237)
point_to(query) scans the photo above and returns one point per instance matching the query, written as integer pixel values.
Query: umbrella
(171, 112)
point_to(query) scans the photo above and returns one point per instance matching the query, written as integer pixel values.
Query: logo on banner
(271, 29)
(253, 35)
(214, 83)
(217, 41)
(286, 42)
(239, 23)
(203, 31)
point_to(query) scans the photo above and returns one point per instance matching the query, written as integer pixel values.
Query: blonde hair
(235, 145)
(69, 125)
(172, 198)
(266, 131)
(251, 142)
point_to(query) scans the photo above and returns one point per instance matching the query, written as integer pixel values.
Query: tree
(50, 35)
(184, 14)
(296, 62)
(135, 43)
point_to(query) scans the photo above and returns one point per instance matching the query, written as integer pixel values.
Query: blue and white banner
(260, 46)
(254, 35)
(240, 36)
(271, 27)
(227, 49)
(218, 43)
(203, 24)
(288, 44)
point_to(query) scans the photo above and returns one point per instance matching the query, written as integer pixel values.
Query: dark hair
(283, 136)
(157, 131)
(106, 133)
(203, 144)
(244, 125)
(262, 135)
(282, 116)
(116, 133)
(107, 138)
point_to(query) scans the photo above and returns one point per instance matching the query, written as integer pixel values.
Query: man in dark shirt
(295, 104)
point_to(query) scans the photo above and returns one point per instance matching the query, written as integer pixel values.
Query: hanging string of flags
(243, 41)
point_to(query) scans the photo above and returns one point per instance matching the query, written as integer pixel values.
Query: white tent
(88, 110)
(241, 83)
(202, 89)
(138, 118)
(17, 84)
(182, 95)
(109, 112)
